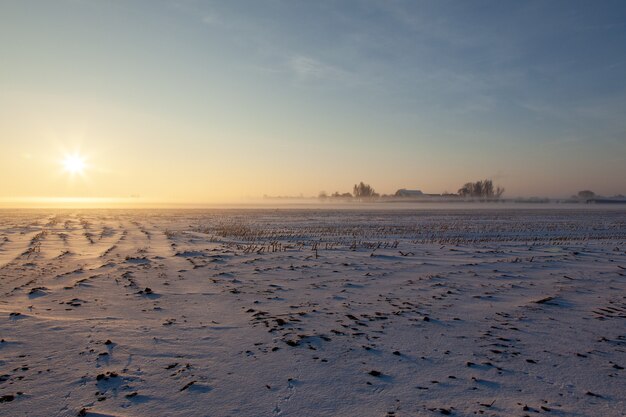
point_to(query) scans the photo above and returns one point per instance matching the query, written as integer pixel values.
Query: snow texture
(313, 313)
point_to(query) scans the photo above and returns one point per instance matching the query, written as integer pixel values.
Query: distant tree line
(360, 190)
(587, 196)
(481, 189)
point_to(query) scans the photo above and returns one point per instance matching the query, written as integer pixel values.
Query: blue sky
(245, 98)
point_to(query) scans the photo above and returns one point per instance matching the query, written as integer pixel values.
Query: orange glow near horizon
(231, 109)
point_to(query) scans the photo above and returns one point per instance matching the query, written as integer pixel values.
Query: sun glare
(74, 164)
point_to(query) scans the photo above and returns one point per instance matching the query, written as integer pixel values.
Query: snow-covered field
(313, 313)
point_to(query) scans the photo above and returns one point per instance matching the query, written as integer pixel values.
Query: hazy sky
(200, 101)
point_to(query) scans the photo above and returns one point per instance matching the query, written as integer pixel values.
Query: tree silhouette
(481, 189)
(363, 190)
(586, 194)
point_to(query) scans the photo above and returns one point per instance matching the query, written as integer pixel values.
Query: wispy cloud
(307, 68)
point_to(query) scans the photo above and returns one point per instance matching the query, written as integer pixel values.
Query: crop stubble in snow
(307, 313)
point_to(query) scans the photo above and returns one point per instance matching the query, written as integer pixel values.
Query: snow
(313, 312)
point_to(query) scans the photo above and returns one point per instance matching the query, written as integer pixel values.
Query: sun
(74, 164)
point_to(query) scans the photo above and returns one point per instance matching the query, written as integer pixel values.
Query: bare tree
(363, 190)
(467, 190)
(481, 189)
